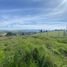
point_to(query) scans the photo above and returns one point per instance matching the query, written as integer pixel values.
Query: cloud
(29, 22)
(29, 27)
(28, 14)
(60, 9)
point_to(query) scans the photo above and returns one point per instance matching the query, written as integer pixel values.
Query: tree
(10, 34)
(41, 30)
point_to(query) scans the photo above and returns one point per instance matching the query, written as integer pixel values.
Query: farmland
(45, 49)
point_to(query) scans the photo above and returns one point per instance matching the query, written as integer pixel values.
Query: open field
(38, 50)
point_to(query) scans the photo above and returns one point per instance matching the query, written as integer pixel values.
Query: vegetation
(37, 50)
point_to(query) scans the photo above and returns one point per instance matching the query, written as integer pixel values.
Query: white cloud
(29, 21)
(60, 9)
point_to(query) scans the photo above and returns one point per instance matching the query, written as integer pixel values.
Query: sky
(33, 14)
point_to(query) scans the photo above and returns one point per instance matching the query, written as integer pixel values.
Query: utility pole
(65, 31)
(66, 28)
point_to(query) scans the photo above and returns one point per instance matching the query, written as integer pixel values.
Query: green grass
(38, 50)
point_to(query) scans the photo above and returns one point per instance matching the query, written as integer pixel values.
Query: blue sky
(33, 14)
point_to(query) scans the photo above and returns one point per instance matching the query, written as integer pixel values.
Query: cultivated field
(38, 50)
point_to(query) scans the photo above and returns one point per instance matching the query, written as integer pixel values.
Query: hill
(38, 50)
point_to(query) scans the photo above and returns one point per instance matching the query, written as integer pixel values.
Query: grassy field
(38, 50)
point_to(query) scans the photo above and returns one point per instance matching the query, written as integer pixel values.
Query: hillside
(38, 50)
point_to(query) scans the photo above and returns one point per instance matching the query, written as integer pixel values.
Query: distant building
(3, 34)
